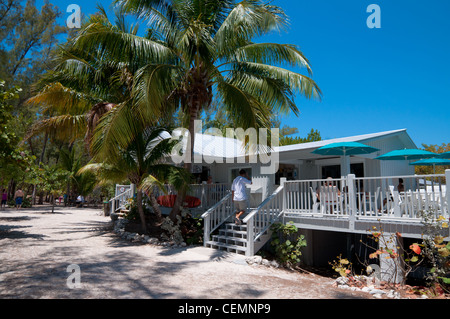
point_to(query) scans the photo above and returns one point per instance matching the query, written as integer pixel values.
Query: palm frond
(59, 99)
(298, 82)
(272, 53)
(60, 127)
(247, 20)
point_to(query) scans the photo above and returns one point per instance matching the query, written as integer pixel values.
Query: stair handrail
(216, 216)
(128, 193)
(253, 232)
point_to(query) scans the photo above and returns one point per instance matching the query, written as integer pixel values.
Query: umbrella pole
(345, 164)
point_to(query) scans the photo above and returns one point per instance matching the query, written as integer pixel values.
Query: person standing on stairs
(239, 194)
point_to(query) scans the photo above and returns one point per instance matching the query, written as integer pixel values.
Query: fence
(209, 194)
(391, 197)
(260, 219)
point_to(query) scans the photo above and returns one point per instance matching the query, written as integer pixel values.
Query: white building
(224, 157)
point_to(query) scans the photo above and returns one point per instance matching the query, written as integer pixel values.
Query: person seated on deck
(330, 194)
(400, 189)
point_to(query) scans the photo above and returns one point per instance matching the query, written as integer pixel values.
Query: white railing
(118, 202)
(318, 197)
(216, 216)
(370, 197)
(260, 219)
(209, 194)
(382, 197)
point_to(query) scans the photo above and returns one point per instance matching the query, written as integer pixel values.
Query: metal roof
(223, 147)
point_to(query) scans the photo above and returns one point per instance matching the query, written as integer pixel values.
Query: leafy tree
(51, 179)
(427, 170)
(71, 161)
(312, 136)
(8, 139)
(27, 38)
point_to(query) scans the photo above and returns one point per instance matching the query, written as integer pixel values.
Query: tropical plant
(8, 139)
(287, 243)
(52, 180)
(82, 87)
(435, 250)
(141, 162)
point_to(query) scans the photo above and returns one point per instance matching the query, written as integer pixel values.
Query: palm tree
(203, 50)
(197, 51)
(83, 87)
(142, 162)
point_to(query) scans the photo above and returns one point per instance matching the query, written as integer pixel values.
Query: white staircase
(230, 237)
(221, 232)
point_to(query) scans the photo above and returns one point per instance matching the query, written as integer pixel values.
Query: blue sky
(372, 80)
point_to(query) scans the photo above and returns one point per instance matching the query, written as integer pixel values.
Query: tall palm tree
(203, 50)
(197, 51)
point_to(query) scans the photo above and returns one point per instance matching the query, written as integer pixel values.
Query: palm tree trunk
(155, 207)
(181, 193)
(141, 211)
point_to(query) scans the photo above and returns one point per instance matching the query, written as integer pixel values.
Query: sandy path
(36, 247)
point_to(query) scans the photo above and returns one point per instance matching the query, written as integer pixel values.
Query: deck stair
(221, 233)
(232, 238)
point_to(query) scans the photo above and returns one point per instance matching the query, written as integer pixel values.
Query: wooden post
(283, 183)
(447, 195)
(250, 244)
(113, 206)
(447, 189)
(206, 229)
(351, 200)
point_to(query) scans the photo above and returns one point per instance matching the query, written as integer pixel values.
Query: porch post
(113, 206)
(250, 233)
(351, 200)
(391, 269)
(282, 183)
(206, 228)
(447, 190)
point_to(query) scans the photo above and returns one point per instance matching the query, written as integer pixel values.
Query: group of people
(18, 198)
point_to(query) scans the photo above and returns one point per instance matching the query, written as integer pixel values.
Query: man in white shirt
(239, 194)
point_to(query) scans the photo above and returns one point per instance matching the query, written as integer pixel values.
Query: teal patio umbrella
(444, 155)
(432, 162)
(406, 154)
(345, 149)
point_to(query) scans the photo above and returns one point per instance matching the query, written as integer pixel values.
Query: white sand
(36, 247)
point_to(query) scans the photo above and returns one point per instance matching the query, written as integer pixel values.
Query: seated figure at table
(329, 195)
(400, 189)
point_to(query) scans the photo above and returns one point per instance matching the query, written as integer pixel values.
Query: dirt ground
(37, 247)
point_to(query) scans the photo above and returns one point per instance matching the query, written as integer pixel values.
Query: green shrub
(287, 243)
